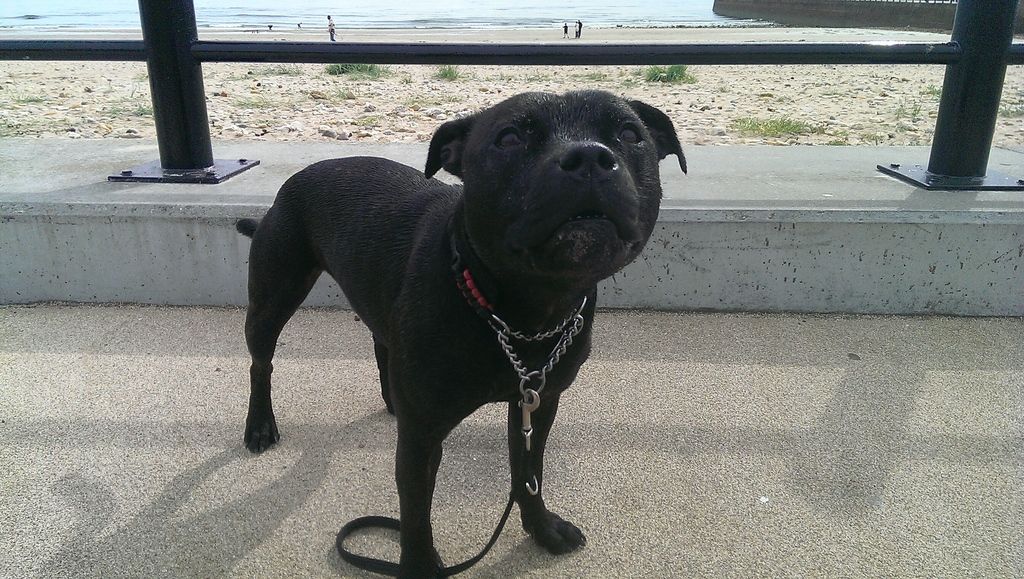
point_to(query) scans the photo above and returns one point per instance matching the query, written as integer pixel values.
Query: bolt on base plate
(918, 175)
(152, 172)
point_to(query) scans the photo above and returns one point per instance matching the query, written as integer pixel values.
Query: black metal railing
(976, 57)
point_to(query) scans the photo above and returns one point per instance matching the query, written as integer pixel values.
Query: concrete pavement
(692, 445)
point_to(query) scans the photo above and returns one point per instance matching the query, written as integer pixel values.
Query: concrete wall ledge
(668, 214)
(807, 229)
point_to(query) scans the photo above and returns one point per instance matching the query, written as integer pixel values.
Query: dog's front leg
(549, 530)
(416, 463)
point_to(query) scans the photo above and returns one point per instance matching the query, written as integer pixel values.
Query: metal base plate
(152, 172)
(918, 175)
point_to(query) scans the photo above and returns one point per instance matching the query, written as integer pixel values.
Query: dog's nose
(588, 160)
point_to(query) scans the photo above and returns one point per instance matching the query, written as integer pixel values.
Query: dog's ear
(446, 146)
(660, 126)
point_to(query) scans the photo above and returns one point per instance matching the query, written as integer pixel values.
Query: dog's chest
(541, 366)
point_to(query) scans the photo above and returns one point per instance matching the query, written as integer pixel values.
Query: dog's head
(558, 185)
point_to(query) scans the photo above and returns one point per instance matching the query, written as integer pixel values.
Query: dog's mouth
(595, 238)
(587, 216)
(597, 225)
(607, 226)
(604, 225)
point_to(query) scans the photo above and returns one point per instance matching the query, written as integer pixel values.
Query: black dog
(474, 294)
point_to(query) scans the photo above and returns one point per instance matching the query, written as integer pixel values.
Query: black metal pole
(95, 50)
(586, 54)
(972, 89)
(176, 83)
(507, 54)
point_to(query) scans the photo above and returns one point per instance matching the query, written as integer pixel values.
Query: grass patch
(362, 71)
(676, 73)
(875, 138)
(369, 121)
(254, 103)
(593, 76)
(1012, 112)
(281, 70)
(839, 139)
(447, 72)
(905, 111)
(29, 99)
(141, 111)
(344, 94)
(932, 91)
(777, 127)
(129, 109)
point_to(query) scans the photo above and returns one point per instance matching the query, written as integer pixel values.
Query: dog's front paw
(261, 433)
(555, 534)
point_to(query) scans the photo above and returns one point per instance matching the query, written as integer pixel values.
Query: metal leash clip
(529, 403)
(534, 488)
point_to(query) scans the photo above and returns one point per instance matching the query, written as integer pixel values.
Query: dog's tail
(247, 226)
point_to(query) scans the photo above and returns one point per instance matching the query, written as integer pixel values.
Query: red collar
(470, 291)
(468, 286)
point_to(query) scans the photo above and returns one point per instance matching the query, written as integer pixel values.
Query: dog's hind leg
(280, 277)
(381, 352)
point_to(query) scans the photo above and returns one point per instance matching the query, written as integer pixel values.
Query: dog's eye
(629, 135)
(509, 138)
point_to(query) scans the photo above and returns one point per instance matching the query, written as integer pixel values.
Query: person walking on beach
(330, 27)
(579, 29)
(565, 30)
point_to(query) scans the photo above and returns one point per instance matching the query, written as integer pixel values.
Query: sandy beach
(721, 105)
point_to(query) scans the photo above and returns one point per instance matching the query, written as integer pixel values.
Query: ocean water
(76, 14)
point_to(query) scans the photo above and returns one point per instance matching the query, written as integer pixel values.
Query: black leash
(391, 569)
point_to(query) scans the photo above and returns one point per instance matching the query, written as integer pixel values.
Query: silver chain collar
(569, 328)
